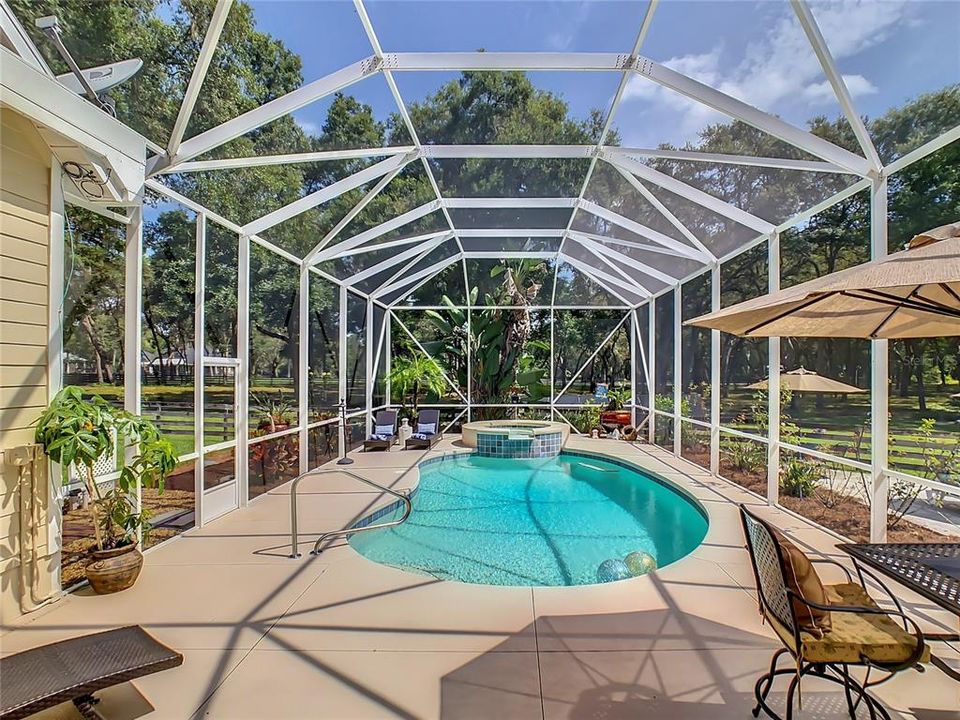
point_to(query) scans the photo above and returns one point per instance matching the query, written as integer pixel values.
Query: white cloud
(308, 127)
(778, 71)
(822, 92)
(560, 41)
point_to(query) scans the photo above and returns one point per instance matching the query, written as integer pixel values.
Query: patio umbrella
(802, 380)
(909, 294)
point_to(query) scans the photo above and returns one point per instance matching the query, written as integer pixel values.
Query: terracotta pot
(114, 570)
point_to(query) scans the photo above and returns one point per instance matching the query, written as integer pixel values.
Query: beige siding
(24, 269)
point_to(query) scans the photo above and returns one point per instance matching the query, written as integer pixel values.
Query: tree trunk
(103, 374)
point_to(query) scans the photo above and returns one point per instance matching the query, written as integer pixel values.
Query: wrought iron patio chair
(862, 634)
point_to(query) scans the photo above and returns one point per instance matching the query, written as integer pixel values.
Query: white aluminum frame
(608, 265)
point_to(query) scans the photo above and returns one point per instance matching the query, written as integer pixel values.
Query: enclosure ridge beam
(396, 259)
(268, 112)
(508, 151)
(391, 244)
(210, 41)
(658, 249)
(839, 85)
(643, 230)
(626, 260)
(668, 182)
(481, 60)
(537, 152)
(589, 247)
(512, 232)
(432, 269)
(286, 159)
(601, 277)
(330, 192)
(411, 263)
(739, 110)
(509, 202)
(664, 211)
(727, 159)
(413, 288)
(356, 210)
(383, 228)
(518, 255)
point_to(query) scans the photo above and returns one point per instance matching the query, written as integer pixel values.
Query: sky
(888, 51)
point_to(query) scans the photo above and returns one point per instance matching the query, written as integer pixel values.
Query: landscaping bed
(841, 513)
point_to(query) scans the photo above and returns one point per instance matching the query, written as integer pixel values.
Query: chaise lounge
(427, 431)
(384, 431)
(73, 670)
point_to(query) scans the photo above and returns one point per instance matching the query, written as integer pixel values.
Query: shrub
(744, 455)
(798, 478)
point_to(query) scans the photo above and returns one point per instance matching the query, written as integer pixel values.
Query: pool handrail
(294, 538)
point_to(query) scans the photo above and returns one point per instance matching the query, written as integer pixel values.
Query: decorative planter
(114, 570)
(619, 418)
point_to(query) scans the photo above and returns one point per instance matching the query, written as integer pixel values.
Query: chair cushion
(879, 638)
(427, 428)
(802, 578)
(383, 430)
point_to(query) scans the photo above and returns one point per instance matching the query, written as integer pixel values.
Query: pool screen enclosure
(590, 254)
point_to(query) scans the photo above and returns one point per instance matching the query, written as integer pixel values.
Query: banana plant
(497, 340)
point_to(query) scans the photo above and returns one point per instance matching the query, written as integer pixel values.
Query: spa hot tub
(516, 438)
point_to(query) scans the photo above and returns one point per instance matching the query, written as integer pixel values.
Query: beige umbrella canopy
(802, 380)
(910, 294)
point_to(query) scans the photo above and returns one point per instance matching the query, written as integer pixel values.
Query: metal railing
(294, 538)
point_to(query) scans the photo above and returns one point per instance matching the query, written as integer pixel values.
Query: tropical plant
(617, 399)
(274, 411)
(744, 455)
(798, 478)
(586, 417)
(413, 374)
(75, 431)
(498, 340)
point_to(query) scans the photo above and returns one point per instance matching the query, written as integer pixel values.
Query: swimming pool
(549, 521)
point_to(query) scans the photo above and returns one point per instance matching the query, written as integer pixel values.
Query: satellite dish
(102, 77)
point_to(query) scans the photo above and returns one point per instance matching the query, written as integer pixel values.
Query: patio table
(931, 570)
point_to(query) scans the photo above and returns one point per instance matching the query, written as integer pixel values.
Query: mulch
(843, 514)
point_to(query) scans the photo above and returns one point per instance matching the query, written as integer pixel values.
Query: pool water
(548, 521)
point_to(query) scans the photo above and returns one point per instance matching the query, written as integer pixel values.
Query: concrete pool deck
(339, 636)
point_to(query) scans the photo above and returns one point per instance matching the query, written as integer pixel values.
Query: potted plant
(275, 413)
(75, 431)
(615, 415)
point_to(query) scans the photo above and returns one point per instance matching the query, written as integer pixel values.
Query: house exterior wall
(25, 266)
